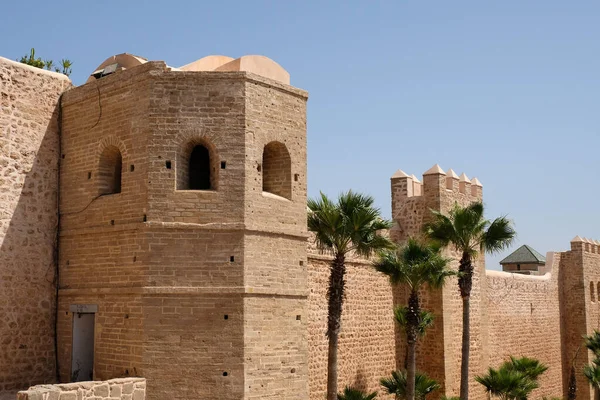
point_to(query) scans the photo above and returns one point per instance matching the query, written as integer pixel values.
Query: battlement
(435, 180)
(586, 245)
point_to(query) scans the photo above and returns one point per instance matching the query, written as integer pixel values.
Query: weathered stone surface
(211, 293)
(96, 390)
(29, 153)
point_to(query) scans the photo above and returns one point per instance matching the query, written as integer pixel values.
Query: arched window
(196, 168)
(592, 291)
(109, 171)
(199, 167)
(277, 170)
(598, 291)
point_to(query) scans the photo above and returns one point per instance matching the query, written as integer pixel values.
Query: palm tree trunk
(466, 348)
(335, 296)
(465, 283)
(332, 371)
(411, 334)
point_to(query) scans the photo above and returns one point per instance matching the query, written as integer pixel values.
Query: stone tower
(183, 229)
(440, 350)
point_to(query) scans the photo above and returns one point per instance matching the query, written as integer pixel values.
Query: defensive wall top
(34, 70)
(449, 179)
(259, 65)
(586, 245)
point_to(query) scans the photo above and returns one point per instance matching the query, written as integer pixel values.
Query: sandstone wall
(122, 389)
(440, 353)
(29, 155)
(199, 294)
(580, 314)
(367, 350)
(524, 320)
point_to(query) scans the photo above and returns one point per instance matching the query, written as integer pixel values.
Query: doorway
(82, 362)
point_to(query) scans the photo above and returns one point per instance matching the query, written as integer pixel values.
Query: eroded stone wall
(367, 343)
(29, 155)
(524, 320)
(114, 389)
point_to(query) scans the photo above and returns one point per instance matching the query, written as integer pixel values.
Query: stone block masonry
(114, 389)
(183, 250)
(29, 156)
(183, 222)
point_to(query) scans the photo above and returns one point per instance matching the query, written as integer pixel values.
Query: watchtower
(183, 229)
(412, 202)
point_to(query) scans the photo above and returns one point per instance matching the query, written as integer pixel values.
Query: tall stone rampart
(524, 320)
(412, 202)
(367, 343)
(29, 157)
(579, 306)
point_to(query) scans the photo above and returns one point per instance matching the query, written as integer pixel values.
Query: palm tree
(66, 66)
(355, 394)
(351, 224)
(414, 265)
(514, 380)
(592, 371)
(530, 367)
(397, 385)
(426, 318)
(507, 384)
(469, 233)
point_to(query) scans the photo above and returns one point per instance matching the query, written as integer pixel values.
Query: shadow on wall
(361, 382)
(28, 227)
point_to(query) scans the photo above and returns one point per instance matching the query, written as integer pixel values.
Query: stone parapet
(122, 388)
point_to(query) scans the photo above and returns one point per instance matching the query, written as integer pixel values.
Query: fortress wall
(581, 300)
(367, 340)
(29, 154)
(524, 320)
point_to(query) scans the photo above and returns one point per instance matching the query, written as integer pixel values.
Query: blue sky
(507, 91)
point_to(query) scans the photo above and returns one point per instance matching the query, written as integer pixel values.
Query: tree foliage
(397, 384)
(466, 229)
(31, 59)
(352, 224)
(514, 380)
(355, 394)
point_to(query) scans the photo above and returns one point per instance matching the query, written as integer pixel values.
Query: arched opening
(109, 171)
(277, 170)
(196, 168)
(592, 291)
(199, 167)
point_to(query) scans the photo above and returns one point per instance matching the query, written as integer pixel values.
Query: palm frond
(499, 236)
(351, 223)
(426, 319)
(592, 342)
(468, 231)
(415, 264)
(506, 383)
(530, 367)
(396, 385)
(592, 373)
(350, 393)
